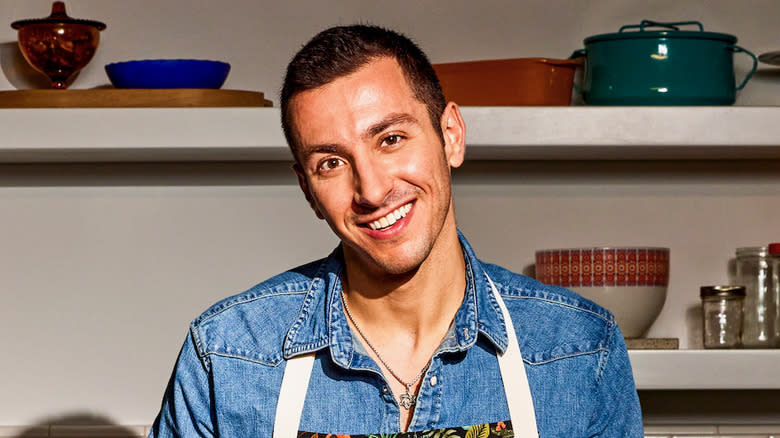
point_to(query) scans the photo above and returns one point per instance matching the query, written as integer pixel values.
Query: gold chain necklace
(407, 400)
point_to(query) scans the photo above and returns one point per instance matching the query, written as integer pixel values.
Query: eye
(329, 164)
(391, 140)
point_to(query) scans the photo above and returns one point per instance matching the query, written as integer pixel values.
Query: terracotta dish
(508, 82)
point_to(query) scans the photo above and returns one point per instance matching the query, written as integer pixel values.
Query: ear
(454, 131)
(303, 183)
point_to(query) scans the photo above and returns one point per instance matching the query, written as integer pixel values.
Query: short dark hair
(342, 50)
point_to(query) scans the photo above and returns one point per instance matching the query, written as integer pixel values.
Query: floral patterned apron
(518, 396)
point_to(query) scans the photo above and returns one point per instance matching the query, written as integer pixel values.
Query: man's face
(373, 166)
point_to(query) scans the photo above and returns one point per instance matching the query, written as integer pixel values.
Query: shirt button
(434, 381)
(385, 390)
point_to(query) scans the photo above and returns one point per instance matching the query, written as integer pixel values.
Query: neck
(419, 305)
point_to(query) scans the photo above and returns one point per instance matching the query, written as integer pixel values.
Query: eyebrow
(390, 120)
(326, 148)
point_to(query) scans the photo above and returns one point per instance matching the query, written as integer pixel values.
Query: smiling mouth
(391, 218)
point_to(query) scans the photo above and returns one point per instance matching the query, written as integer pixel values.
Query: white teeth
(391, 217)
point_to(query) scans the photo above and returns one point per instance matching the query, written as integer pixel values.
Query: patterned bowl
(629, 281)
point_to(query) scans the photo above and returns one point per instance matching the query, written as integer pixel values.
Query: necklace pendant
(407, 400)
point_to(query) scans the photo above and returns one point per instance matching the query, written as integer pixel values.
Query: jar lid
(754, 251)
(774, 248)
(722, 291)
(58, 15)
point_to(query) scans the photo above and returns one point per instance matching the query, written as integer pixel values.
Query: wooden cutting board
(653, 343)
(131, 98)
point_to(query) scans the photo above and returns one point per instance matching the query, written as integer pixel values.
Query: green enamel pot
(639, 66)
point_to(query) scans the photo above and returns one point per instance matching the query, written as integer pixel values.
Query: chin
(398, 269)
(394, 263)
(408, 262)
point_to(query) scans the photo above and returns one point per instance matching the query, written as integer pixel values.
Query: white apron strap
(292, 394)
(518, 392)
(297, 373)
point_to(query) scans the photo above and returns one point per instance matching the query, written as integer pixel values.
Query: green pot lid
(671, 30)
(662, 34)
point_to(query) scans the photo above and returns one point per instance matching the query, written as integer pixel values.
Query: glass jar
(758, 329)
(774, 285)
(722, 310)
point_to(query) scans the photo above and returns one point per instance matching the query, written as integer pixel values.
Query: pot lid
(58, 15)
(671, 30)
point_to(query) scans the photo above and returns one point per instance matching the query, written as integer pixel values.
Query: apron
(295, 383)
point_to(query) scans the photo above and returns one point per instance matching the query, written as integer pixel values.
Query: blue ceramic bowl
(168, 73)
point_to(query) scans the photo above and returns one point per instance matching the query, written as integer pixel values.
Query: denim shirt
(227, 377)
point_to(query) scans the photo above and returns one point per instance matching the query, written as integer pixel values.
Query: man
(401, 328)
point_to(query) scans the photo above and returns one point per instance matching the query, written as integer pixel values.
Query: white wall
(103, 266)
(102, 274)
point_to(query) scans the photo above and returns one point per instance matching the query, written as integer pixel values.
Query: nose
(372, 182)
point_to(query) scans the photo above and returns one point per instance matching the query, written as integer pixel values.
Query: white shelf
(493, 133)
(620, 133)
(706, 369)
(141, 134)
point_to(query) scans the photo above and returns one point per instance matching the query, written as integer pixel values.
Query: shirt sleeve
(620, 414)
(186, 409)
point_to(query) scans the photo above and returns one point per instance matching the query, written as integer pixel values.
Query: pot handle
(581, 53)
(737, 49)
(671, 25)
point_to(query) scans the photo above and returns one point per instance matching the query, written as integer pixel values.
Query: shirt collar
(322, 323)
